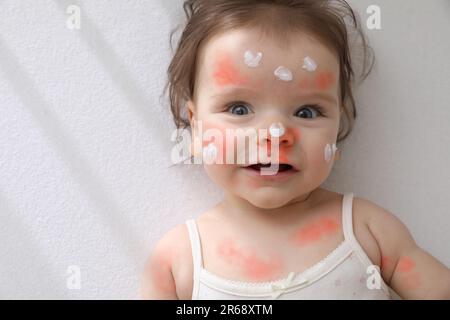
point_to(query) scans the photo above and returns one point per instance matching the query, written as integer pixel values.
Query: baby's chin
(268, 197)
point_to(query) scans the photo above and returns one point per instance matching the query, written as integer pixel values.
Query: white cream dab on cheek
(251, 59)
(277, 130)
(284, 74)
(334, 149)
(309, 64)
(210, 153)
(329, 152)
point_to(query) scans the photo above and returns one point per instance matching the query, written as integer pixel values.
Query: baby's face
(249, 82)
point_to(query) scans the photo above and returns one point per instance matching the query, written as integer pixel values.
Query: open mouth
(282, 167)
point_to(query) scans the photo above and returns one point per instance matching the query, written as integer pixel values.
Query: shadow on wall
(174, 11)
(25, 273)
(27, 90)
(118, 73)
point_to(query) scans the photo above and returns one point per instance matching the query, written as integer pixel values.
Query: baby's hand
(410, 271)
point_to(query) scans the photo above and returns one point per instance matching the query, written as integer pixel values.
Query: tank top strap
(347, 217)
(195, 245)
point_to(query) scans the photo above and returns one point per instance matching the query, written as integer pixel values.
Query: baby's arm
(158, 282)
(409, 270)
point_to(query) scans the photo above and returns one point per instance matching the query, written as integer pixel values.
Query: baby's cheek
(318, 154)
(214, 143)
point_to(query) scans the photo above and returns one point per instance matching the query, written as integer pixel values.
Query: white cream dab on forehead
(251, 59)
(283, 74)
(309, 64)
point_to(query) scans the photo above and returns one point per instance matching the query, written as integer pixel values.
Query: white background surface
(85, 139)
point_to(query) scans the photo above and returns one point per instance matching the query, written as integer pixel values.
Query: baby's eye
(238, 108)
(308, 110)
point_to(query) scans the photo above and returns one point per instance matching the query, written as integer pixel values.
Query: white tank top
(342, 274)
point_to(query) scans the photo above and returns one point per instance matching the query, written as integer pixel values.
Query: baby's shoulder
(176, 243)
(381, 234)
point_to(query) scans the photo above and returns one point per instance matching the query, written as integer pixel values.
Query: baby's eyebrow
(232, 90)
(320, 95)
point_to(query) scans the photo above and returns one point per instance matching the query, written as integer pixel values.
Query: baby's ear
(191, 110)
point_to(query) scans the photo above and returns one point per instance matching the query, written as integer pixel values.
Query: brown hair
(331, 21)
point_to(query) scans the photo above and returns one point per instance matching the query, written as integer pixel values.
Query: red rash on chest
(226, 73)
(315, 231)
(253, 266)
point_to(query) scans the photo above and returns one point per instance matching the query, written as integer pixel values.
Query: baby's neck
(242, 211)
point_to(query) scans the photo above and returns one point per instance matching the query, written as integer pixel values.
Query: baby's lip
(293, 167)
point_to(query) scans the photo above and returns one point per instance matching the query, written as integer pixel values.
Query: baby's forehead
(233, 46)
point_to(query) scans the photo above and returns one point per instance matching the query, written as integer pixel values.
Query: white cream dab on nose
(309, 64)
(330, 151)
(210, 153)
(284, 74)
(252, 59)
(277, 130)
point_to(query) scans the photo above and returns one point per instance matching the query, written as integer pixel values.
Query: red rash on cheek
(252, 266)
(283, 157)
(296, 133)
(218, 136)
(315, 231)
(226, 73)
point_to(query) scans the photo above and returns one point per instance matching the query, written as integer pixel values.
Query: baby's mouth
(282, 167)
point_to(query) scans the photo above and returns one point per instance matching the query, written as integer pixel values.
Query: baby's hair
(332, 22)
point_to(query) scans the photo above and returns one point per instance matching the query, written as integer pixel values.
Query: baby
(281, 70)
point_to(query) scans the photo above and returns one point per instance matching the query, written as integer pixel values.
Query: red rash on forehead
(314, 231)
(251, 265)
(226, 73)
(323, 80)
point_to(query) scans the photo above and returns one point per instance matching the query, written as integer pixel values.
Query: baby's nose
(277, 131)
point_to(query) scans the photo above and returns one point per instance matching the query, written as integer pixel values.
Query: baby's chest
(237, 259)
